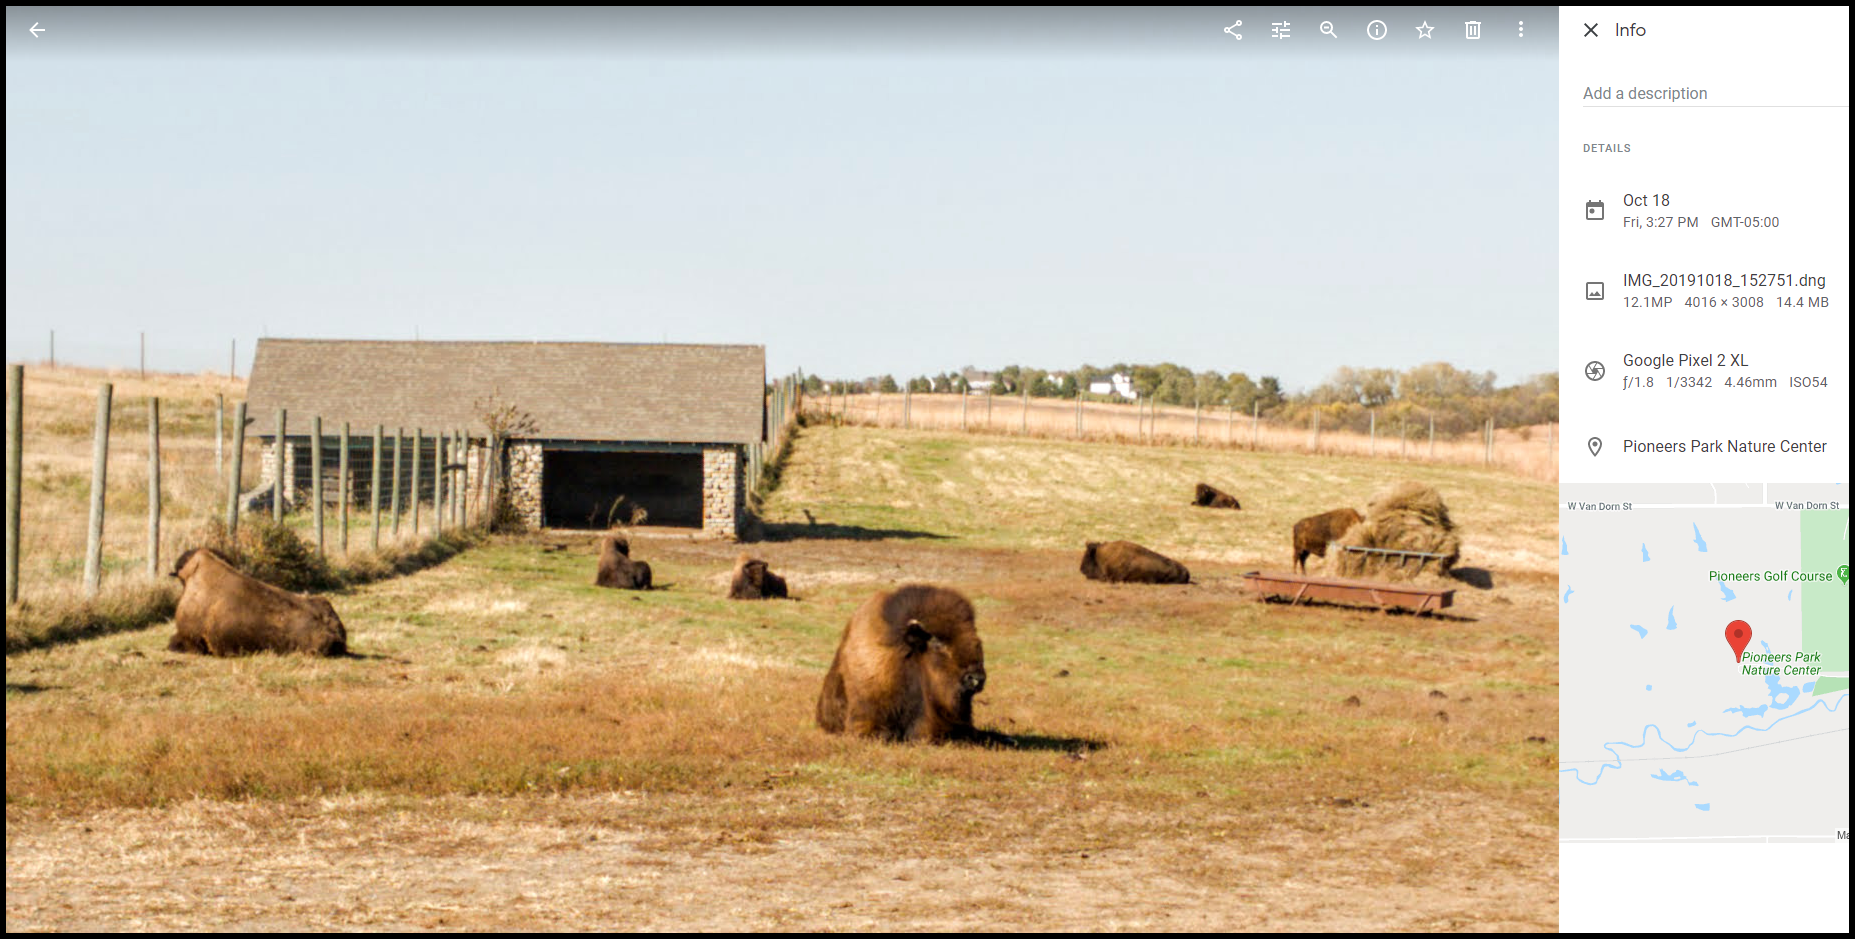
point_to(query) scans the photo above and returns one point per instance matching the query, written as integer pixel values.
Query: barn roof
(575, 390)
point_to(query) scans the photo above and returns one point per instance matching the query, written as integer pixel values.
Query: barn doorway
(595, 489)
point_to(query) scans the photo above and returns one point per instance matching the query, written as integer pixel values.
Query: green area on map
(1824, 539)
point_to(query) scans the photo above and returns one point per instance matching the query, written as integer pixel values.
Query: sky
(862, 193)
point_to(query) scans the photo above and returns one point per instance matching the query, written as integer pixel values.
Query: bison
(1211, 497)
(1313, 533)
(1123, 562)
(225, 612)
(907, 668)
(617, 569)
(752, 581)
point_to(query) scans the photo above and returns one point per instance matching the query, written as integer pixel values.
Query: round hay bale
(1408, 517)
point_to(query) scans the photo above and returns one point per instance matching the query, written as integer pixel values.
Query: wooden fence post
(373, 485)
(283, 466)
(1401, 429)
(344, 490)
(963, 410)
(418, 443)
(238, 471)
(315, 475)
(1432, 436)
(1374, 445)
(219, 438)
(460, 446)
(99, 478)
(399, 434)
(438, 519)
(1316, 447)
(1487, 457)
(1255, 421)
(1230, 420)
(15, 437)
(1024, 413)
(154, 487)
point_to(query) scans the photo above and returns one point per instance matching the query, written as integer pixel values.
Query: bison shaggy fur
(617, 569)
(752, 581)
(1123, 562)
(225, 612)
(1211, 497)
(1312, 534)
(907, 668)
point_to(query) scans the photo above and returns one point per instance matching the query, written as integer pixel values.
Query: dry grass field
(1531, 452)
(512, 748)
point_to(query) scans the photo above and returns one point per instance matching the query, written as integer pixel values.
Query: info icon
(1594, 211)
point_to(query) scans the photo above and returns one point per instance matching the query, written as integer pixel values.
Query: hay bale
(1409, 516)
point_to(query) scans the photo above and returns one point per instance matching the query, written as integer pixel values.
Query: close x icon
(1590, 29)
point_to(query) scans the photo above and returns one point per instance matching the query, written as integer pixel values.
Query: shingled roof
(575, 390)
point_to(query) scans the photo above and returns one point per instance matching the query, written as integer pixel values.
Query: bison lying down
(617, 569)
(1123, 562)
(1212, 497)
(1313, 533)
(907, 668)
(225, 612)
(752, 581)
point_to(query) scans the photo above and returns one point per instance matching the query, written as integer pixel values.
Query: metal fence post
(438, 518)
(1374, 445)
(219, 438)
(99, 478)
(15, 437)
(154, 487)
(315, 475)
(1432, 436)
(1255, 421)
(399, 434)
(238, 471)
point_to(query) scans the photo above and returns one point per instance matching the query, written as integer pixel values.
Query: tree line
(1459, 400)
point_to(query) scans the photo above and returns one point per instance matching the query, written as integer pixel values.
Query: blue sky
(856, 209)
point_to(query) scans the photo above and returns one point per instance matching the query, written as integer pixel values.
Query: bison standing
(1211, 497)
(1312, 534)
(225, 612)
(1123, 562)
(753, 581)
(907, 668)
(617, 569)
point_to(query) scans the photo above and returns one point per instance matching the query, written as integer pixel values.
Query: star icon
(1423, 32)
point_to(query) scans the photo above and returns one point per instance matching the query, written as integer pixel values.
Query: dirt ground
(512, 748)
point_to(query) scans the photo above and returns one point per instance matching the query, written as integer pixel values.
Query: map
(1667, 733)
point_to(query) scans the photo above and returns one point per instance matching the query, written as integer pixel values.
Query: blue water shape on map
(1693, 783)
(1767, 645)
(1645, 553)
(1807, 686)
(1671, 617)
(1726, 593)
(1563, 550)
(1699, 542)
(1640, 632)
(1568, 595)
(1787, 596)
(1666, 776)
(1692, 723)
(1648, 687)
(1704, 806)
(1777, 690)
(1617, 758)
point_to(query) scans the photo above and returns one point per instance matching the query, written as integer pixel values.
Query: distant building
(978, 382)
(1117, 384)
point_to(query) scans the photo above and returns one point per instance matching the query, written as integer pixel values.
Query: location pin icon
(1843, 572)
(1595, 444)
(1738, 635)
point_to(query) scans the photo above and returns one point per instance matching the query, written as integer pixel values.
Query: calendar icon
(1594, 211)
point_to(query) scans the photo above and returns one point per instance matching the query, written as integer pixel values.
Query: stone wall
(267, 473)
(724, 492)
(525, 482)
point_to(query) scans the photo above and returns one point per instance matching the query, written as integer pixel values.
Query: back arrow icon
(35, 30)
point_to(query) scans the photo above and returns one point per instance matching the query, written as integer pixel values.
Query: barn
(613, 426)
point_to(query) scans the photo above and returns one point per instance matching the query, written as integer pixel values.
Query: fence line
(1518, 449)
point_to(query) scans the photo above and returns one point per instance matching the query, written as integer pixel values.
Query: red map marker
(1738, 635)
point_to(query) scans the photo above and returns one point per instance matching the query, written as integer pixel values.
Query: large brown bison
(225, 612)
(1123, 562)
(1312, 534)
(752, 581)
(617, 569)
(907, 668)
(1211, 497)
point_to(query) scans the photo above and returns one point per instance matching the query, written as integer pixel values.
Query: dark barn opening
(580, 488)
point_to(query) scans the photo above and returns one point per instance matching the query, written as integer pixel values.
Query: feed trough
(1295, 588)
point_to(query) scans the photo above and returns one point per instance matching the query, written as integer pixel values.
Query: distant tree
(920, 384)
(1269, 393)
(814, 384)
(1067, 387)
(887, 385)
(1242, 392)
